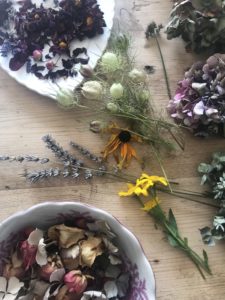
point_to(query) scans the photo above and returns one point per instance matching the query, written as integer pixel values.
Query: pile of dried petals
(78, 261)
(41, 37)
(200, 98)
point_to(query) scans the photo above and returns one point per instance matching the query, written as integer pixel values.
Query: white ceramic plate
(95, 47)
(50, 213)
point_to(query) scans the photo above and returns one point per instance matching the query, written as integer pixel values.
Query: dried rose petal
(90, 249)
(66, 236)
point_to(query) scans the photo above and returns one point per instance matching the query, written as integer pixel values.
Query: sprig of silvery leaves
(213, 174)
(71, 165)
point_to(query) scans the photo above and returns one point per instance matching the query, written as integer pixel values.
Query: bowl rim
(114, 219)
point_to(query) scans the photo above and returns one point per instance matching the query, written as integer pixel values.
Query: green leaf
(186, 241)
(204, 179)
(172, 221)
(204, 168)
(172, 241)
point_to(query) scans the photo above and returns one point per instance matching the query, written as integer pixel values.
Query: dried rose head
(75, 281)
(28, 253)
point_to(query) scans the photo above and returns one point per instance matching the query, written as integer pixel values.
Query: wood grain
(25, 117)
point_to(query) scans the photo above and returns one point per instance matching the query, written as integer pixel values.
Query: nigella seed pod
(37, 55)
(110, 62)
(86, 71)
(96, 126)
(112, 107)
(92, 90)
(136, 75)
(116, 90)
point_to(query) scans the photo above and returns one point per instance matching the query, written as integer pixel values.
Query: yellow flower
(143, 184)
(151, 204)
(132, 189)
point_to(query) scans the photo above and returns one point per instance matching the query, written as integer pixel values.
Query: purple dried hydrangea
(37, 27)
(199, 102)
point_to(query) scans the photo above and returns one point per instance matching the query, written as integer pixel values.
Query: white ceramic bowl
(50, 213)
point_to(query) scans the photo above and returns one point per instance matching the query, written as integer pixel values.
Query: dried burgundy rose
(199, 102)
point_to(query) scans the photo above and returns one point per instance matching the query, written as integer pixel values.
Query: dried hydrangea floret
(66, 263)
(200, 23)
(200, 98)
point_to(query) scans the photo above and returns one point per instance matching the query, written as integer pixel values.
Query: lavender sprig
(86, 152)
(35, 176)
(20, 158)
(60, 153)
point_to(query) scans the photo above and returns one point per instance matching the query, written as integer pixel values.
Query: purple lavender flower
(199, 101)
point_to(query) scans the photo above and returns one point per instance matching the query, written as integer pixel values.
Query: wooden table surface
(26, 116)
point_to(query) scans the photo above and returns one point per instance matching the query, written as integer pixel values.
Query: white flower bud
(110, 62)
(116, 90)
(112, 107)
(92, 90)
(137, 76)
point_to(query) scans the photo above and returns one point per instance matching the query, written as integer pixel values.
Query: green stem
(200, 263)
(160, 217)
(164, 68)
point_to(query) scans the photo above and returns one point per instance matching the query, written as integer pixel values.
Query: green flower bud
(92, 90)
(144, 95)
(110, 62)
(65, 98)
(116, 90)
(112, 107)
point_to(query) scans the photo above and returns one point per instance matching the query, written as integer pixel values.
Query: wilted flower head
(200, 97)
(75, 281)
(110, 62)
(92, 90)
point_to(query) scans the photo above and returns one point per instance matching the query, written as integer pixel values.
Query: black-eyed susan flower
(120, 145)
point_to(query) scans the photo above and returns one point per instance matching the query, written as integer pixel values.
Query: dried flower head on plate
(44, 42)
(200, 98)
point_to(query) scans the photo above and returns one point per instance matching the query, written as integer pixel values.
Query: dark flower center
(124, 136)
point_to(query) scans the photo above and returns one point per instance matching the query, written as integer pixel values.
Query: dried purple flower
(35, 27)
(199, 102)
